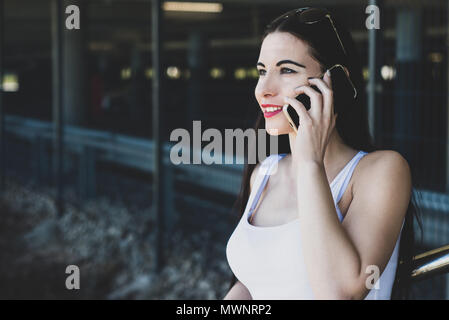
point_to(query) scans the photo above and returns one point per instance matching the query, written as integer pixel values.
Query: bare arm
(338, 254)
(238, 292)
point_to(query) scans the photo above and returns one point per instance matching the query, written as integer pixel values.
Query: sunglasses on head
(309, 16)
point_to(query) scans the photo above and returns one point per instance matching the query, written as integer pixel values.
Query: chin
(277, 128)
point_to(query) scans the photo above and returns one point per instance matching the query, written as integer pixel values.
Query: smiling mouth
(271, 111)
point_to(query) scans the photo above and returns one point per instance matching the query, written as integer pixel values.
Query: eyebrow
(282, 62)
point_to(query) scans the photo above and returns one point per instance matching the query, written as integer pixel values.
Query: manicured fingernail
(328, 73)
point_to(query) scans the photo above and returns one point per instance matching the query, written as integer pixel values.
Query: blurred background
(99, 209)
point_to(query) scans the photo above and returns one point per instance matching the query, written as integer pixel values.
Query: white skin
(374, 204)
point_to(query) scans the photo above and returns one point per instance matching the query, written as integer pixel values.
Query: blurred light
(240, 73)
(252, 73)
(173, 72)
(193, 6)
(365, 72)
(217, 73)
(435, 57)
(125, 73)
(149, 73)
(10, 82)
(388, 72)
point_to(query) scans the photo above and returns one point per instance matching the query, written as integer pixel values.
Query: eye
(283, 70)
(288, 70)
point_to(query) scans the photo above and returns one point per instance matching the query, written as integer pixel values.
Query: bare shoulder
(380, 168)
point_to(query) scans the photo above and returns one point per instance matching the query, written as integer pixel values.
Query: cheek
(288, 84)
(300, 80)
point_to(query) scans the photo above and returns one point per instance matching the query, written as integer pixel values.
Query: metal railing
(93, 145)
(431, 263)
(89, 147)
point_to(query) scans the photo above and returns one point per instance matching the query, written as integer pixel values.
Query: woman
(337, 213)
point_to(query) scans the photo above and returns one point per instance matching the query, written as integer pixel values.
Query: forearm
(238, 292)
(332, 261)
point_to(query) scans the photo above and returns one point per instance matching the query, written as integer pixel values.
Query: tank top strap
(263, 174)
(342, 180)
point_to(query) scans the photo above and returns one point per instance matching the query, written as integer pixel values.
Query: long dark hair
(351, 125)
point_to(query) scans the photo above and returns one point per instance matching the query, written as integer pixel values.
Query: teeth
(272, 109)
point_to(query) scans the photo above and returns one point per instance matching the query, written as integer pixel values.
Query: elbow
(356, 291)
(333, 295)
(339, 295)
(350, 290)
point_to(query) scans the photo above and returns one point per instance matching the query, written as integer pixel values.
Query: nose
(267, 87)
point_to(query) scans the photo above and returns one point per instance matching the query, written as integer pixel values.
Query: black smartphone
(292, 116)
(341, 86)
(290, 112)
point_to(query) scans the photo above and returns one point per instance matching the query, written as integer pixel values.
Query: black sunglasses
(309, 15)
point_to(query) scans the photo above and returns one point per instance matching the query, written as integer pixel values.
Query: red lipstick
(268, 110)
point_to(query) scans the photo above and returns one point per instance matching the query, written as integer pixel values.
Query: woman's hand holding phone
(316, 124)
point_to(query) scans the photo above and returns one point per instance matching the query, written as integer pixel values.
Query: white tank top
(269, 260)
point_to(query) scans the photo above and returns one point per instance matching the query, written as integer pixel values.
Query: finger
(316, 100)
(304, 117)
(328, 79)
(327, 96)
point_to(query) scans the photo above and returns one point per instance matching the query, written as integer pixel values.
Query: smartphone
(292, 116)
(290, 112)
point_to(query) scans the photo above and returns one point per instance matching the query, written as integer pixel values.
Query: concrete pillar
(197, 63)
(137, 92)
(74, 67)
(447, 123)
(2, 112)
(57, 86)
(374, 87)
(408, 73)
(75, 75)
(158, 127)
